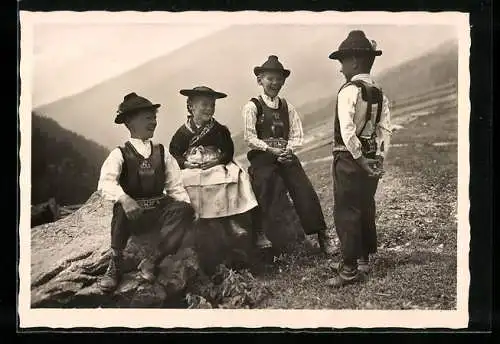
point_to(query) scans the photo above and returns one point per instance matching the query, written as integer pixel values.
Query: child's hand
(196, 217)
(189, 164)
(209, 164)
(285, 156)
(379, 165)
(287, 152)
(366, 164)
(275, 151)
(131, 208)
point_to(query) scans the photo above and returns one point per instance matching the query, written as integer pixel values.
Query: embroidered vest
(140, 177)
(272, 125)
(373, 96)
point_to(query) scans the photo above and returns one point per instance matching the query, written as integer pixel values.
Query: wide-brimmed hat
(356, 44)
(202, 91)
(272, 64)
(133, 102)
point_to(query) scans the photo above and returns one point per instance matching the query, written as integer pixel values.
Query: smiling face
(142, 124)
(202, 108)
(271, 82)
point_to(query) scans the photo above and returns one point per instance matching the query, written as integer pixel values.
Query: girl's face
(142, 125)
(202, 108)
(271, 83)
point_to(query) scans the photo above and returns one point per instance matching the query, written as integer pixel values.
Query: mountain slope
(225, 61)
(213, 61)
(418, 75)
(64, 164)
(436, 68)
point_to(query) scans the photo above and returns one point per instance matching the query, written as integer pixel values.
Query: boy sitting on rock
(143, 180)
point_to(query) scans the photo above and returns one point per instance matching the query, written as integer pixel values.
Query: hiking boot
(262, 242)
(324, 243)
(364, 265)
(337, 266)
(112, 276)
(236, 229)
(346, 276)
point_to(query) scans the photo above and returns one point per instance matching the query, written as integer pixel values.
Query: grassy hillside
(416, 263)
(64, 164)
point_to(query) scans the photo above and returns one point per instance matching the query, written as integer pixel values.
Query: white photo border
(292, 319)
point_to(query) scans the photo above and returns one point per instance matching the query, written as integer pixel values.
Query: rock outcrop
(69, 256)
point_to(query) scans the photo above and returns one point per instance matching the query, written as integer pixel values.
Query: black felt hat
(202, 91)
(133, 102)
(356, 44)
(272, 64)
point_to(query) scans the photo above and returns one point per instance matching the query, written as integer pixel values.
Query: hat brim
(336, 55)
(120, 118)
(213, 94)
(284, 72)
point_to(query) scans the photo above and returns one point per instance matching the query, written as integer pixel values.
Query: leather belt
(276, 143)
(150, 203)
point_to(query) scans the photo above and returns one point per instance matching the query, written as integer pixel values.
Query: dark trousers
(354, 208)
(173, 218)
(264, 171)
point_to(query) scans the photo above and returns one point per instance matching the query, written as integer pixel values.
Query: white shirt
(295, 136)
(111, 169)
(351, 114)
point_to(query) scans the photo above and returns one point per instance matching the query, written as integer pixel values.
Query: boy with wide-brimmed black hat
(273, 132)
(361, 139)
(143, 180)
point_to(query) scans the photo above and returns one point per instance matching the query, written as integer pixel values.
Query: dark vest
(140, 177)
(374, 97)
(272, 123)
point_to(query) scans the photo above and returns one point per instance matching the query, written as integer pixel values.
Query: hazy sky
(72, 57)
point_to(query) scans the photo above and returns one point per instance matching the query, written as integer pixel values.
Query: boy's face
(349, 67)
(271, 83)
(202, 108)
(142, 125)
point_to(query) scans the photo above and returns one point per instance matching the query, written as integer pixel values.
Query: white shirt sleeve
(383, 129)
(108, 184)
(173, 181)
(347, 100)
(296, 134)
(249, 133)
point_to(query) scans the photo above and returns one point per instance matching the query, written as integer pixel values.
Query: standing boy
(143, 180)
(361, 137)
(273, 131)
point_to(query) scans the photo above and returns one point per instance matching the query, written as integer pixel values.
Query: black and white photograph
(244, 169)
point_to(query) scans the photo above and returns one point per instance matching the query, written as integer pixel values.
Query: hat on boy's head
(272, 64)
(132, 102)
(202, 91)
(356, 44)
